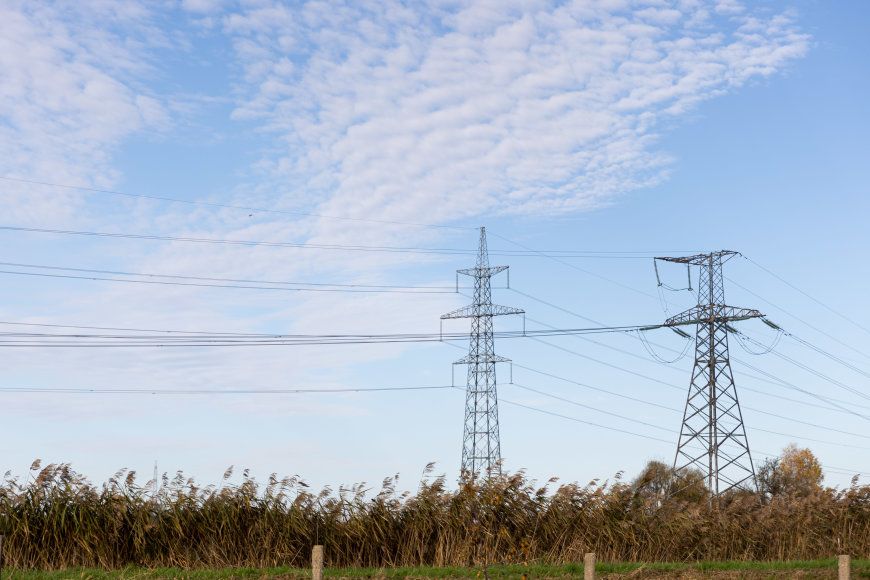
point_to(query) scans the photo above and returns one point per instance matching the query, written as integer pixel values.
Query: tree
(658, 481)
(795, 472)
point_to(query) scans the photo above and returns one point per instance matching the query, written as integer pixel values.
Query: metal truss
(481, 447)
(713, 438)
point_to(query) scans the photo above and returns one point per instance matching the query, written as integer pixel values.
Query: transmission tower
(713, 438)
(481, 449)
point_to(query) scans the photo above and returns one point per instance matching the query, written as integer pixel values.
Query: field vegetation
(56, 519)
(806, 570)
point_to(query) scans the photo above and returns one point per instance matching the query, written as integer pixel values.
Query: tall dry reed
(58, 519)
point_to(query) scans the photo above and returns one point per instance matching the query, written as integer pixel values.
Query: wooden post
(317, 563)
(589, 566)
(844, 567)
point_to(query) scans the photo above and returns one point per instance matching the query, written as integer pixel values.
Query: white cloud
(68, 97)
(453, 110)
(202, 6)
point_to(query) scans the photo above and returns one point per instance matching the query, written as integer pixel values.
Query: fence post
(844, 567)
(317, 563)
(589, 566)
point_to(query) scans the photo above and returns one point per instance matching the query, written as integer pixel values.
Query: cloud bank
(455, 109)
(70, 94)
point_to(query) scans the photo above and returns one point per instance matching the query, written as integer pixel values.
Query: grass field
(719, 570)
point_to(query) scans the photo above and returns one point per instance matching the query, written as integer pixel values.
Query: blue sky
(645, 127)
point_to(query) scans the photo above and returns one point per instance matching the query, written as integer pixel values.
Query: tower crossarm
(476, 311)
(486, 271)
(701, 259)
(712, 313)
(481, 359)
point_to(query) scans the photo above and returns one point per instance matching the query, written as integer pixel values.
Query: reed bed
(58, 519)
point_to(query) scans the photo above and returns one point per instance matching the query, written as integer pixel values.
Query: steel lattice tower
(481, 449)
(713, 438)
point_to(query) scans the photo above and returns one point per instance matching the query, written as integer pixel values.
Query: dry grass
(59, 520)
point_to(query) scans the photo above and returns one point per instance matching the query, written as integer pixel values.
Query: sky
(357, 148)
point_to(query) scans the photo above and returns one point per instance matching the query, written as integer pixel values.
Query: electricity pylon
(481, 448)
(713, 438)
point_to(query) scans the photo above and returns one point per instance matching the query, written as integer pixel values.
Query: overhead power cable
(650, 403)
(544, 411)
(802, 321)
(590, 407)
(834, 403)
(318, 246)
(228, 206)
(809, 424)
(576, 420)
(672, 410)
(164, 391)
(841, 407)
(848, 319)
(813, 371)
(677, 411)
(344, 247)
(46, 339)
(173, 280)
(579, 269)
(790, 436)
(120, 329)
(827, 354)
(591, 387)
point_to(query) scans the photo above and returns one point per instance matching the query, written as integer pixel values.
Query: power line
(670, 409)
(45, 339)
(671, 386)
(791, 386)
(539, 410)
(594, 388)
(285, 391)
(316, 246)
(660, 406)
(591, 408)
(816, 425)
(802, 321)
(227, 206)
(642, 401)
(772, 379)
(816, 373)
(650, 437)
(579, 269)
(607, 364)
(551, 305)
(348, 288)
(822, 376)
(816, 300)
(239, 280)
(827, 354)
(576, 420)
(82, 327)
(344, 247)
